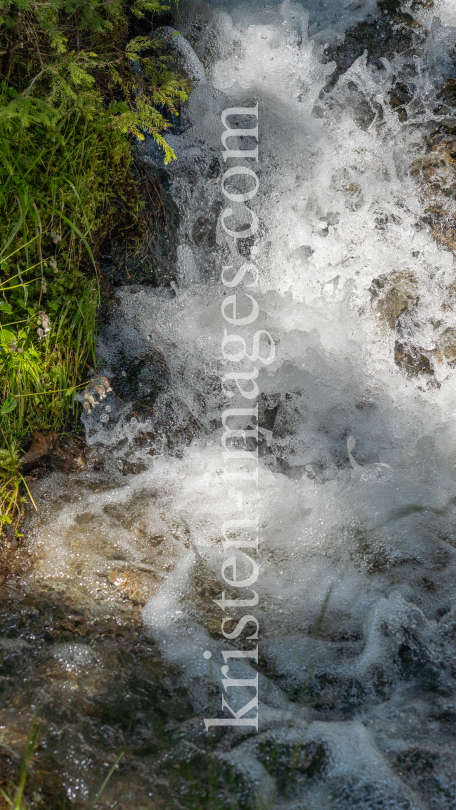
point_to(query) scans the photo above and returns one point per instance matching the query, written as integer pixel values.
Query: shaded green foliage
(76, 93)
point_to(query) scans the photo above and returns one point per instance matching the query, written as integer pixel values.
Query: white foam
(347, 535)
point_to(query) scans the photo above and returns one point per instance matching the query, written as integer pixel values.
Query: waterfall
(351, 264)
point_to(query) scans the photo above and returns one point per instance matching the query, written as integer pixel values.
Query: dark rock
(245, 246)
(369, 553)
(417, 761)
(149, 255)
(447, 344)
(415, 664)
(133, 467)
(203, 232)
(173, 426)
(392, 305)
(138, 379)
(268, 405)
(400, 96)
(332, 693)
(411, 359)
(394, 294)
(213, 170)
(390, 32)
(292, 765)
(348, 795)
(447, 94)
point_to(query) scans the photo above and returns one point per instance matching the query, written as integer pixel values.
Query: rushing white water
(355, 500)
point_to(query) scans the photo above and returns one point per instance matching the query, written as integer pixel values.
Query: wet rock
(137, 587)
(446, 344)
(41, 789)
(447, 96)
(138, 378)
(288, 415)
(49, 452)
(446, 715)
(85, 518)
(417, 760)
(437, 170)
(10, 537)
(394, 294)
(388, 32)
(292, 765)
(370, 554)
(268, 406)
(438, 167)
(174, 425)
(415, 663)
(10, 766)
(411, 359)
(363, 112)
(204, 229)
(133, 467)
(213, 169)
(101, 688)
(127, 514)
(399, 97)
(302, 253)
(245, 246)
(389, 6)
(339, 696)
(95, 458)
(443, 229)
(149, 257)
(361, 795)
(393, 305)
(427, 584)
(203, 232)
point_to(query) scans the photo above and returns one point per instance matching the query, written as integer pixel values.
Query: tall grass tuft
(76, 93)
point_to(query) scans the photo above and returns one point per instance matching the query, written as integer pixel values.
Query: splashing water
(357, 435)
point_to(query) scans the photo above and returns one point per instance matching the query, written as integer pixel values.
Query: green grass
(76, 94)
(11, 500)
(40, 370)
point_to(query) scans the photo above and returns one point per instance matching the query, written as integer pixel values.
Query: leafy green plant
(43, 354)
(67, 55)
(81, 82)
(11, 502)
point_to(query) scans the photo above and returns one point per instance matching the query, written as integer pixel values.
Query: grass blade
(77, 231)
(95, 801)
